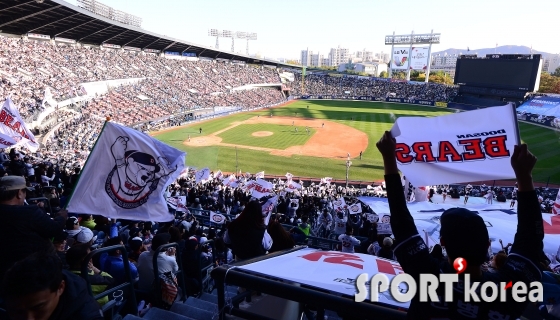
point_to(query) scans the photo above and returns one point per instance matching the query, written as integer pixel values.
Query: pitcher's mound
(262, 134)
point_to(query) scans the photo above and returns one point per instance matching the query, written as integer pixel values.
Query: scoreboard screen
(497, 71)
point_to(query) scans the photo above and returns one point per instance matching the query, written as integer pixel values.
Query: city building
(373, 69)
(445, 63)
(317, 60)
(365, 56)
(338, 56)
(551, 63)
(325, 62)
(383, 57)
(306, 57)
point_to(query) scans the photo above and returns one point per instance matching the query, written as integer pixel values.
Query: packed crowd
(324, 84)
(28, 67)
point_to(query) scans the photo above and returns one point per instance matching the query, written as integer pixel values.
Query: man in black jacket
(38, 288)
(24, 229)
(464, 234)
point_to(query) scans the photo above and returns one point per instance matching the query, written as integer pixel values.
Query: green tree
(399, 75)
(294, 62)
(556, 72)
(549, 83)
(383, 74)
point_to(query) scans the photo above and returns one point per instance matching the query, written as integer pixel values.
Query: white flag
(6, 141)
(126, 175)
(12, 125)
(48, 97)
(292, 186)
(218, 175)
(217, 218)
(249, 185)
(355, 208)
(268, 207)
(202, 175)
(259, 175)
(457, 148)
(420, 194)
(556, 207)
(184, 173)
(289, 176)
(339, 205)
(178, 203)
(326, 180)
(261, 188)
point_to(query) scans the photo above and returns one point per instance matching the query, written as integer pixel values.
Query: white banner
(419, 58)
(460, 147)
(292, 186)
(500, 220)
(556, 205)
(326, 180)
(400, 59)
(329, 270)
(261, 188)
(259, 175)
(355, 208)
(202, 175)
(289, 176)
(178, 203)
(12, 125)
(268, 207)
(6, 141)
(339, 205)
(125, 176)
(217, 218)
(218, 174)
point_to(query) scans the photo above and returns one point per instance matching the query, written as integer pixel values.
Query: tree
(399, 75)
(383, 74)
(549, 83)
(294, 62)
(556, 72)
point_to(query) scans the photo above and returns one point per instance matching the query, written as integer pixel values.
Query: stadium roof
(57, 18)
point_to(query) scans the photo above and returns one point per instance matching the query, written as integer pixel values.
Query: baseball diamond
(337, 128)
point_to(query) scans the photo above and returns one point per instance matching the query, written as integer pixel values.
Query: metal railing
(128, 286)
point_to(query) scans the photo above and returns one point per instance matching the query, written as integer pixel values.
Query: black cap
(465, 235)
(160, 239)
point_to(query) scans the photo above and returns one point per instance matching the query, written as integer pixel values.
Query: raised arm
(402, 223)
(528, 240)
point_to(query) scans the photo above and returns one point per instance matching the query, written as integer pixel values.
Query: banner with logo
(217, 218)
(13, 125)
(456, 148)
(329, 270)
(556, 206)
(261, 188)
(419, 58)
(326, 180)
(500, 220)
(268, 207)
(355, 208)
(339, 205)
(126, 175)
(292, 186)
(259, 175)
(178, 203)
(6, 141)
(400, 58)
(202, 175)
(542, 105)
(218, 175)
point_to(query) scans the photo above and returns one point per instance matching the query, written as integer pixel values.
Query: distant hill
(500, 50)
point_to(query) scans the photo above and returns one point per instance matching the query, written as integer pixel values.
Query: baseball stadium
(149, 177)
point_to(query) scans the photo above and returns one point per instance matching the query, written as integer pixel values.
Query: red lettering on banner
(423, 152)
(553, 227)
(3, 116)
(496, 147)
(8, 120)
(473, 149)
(336, 258)
(402, 153)
(388, 268)
(446, 149)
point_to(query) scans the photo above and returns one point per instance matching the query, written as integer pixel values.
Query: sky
(286, 27)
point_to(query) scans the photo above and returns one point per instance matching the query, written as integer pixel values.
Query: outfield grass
(373, 118)
(282, 137)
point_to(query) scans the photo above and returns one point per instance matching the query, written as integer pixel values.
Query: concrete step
(210, 298)
(159, 314)
(193, 312)
(201, 304)
(131, 317)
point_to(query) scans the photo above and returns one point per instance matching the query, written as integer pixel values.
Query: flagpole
(87, 161)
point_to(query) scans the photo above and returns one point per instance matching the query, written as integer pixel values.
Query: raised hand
(387, 145)
(522, 162)
(119, 147)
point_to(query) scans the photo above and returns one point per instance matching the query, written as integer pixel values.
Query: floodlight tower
(215, 33)
(250, 36)
(229, 34)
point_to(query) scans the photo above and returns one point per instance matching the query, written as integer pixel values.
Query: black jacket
(25, 230)
(246, 241)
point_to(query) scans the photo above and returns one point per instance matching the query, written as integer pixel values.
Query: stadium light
(233, 35)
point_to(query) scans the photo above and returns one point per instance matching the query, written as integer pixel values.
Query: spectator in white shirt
(166, 262)
(348, 240)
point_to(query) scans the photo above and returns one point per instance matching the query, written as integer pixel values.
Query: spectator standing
(348, 240)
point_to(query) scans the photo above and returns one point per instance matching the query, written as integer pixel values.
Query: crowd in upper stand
(324, 84)
(27, 67)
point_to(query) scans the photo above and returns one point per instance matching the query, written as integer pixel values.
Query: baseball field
(314, 138)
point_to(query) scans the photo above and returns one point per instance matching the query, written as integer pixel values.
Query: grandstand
(68, 69)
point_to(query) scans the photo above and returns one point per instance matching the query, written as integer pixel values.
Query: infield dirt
(331, 140)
